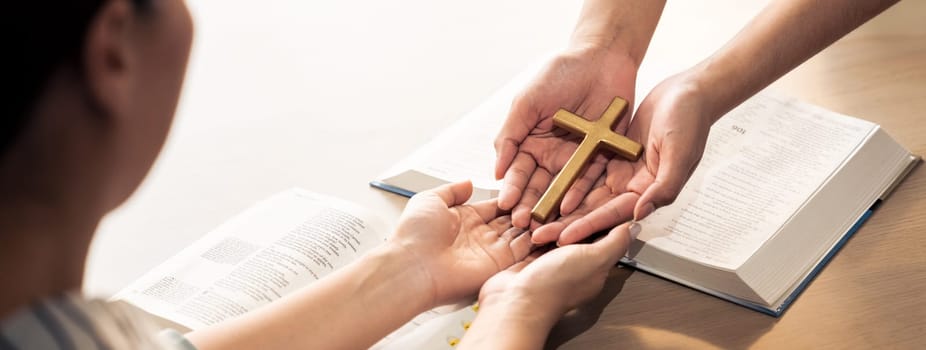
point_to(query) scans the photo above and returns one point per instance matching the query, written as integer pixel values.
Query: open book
(781, 186)
(464, 151)
(272, 249)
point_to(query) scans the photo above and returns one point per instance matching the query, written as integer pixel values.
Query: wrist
(509, 323)
(705, 84)
(615, 71)
(619, 27)
(721, 83)
(598, 50)
(523, 308)
(406, 271)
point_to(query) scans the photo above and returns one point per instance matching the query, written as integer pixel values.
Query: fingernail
(534, 239)
(635, 229)
(647, 209)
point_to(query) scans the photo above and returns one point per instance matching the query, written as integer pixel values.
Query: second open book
(781, 186)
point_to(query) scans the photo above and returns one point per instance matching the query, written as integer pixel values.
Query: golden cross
(596, 134)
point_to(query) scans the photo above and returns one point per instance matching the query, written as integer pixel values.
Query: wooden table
(263, 74)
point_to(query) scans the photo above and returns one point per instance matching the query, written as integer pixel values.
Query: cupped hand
(672, 123)
(562, 278)
(529, 150)
(458, 246)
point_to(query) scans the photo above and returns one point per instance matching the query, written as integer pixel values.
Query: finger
(548, 233)
(513, 132)
(511, 233)
(520, 244)
(620, 174)
(450, 195)
(516, 178)
(500, 242)
(614, 245)
(521, 214)
(613, 212)
(454, 194)
(673, 167)
(583, 185)
(487, 210)
(500, 224)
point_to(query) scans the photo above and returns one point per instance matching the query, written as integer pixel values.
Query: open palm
(673, 127)
(529, 150)
(561, 278)
(458, 246)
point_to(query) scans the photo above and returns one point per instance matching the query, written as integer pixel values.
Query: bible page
(264, 253)
(465, 150)
(762, 162)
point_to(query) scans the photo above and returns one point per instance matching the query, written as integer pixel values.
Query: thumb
(516, 128)
(614, 245)
(673, 167)
(451, 194)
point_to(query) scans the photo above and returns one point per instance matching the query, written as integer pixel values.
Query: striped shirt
(72, 322)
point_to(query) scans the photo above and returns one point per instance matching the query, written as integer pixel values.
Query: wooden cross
(596, 134)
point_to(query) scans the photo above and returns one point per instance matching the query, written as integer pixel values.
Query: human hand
(529, 151)
(458, 246)
(548, 285)
(673, 123)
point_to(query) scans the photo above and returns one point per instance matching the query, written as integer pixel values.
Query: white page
(277, 246)
(465, 150)
(763, 161)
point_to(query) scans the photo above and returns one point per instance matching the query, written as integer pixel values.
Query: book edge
(774, 311)
(784, 305)
(913, 161)
(391, 189)
(781, 308)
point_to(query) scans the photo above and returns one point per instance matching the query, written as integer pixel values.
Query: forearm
(782, 36)
(620, 26)
(351, 308)
(510, 324)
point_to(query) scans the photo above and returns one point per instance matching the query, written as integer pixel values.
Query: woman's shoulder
(74, 322)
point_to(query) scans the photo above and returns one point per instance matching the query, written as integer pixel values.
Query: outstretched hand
(562, 278)
(458, 246)
(673, 125)
(530, 152)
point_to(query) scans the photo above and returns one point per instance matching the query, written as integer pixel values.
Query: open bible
(464, 151)
(275, 247)
(780, 188)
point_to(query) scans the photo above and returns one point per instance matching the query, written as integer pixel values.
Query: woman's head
(95, 85)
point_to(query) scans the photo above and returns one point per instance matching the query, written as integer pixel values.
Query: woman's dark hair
(41, 37)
